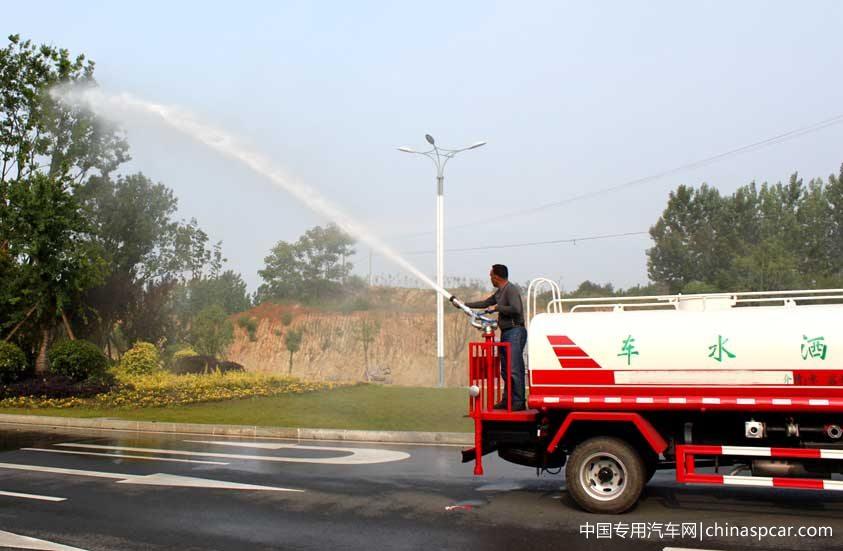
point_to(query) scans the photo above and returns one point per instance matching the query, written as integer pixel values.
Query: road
(109, 490)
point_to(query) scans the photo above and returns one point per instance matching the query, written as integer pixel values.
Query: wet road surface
(112, 490)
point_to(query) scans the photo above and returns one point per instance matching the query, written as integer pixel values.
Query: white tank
(712, 341)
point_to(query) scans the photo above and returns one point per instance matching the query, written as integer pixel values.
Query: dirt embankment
(386, 345)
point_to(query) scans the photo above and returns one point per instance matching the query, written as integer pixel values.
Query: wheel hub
(603, 476)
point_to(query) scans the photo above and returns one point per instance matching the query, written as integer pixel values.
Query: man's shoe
(500, 405)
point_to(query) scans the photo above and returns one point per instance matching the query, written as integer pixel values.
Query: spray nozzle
(478, 320)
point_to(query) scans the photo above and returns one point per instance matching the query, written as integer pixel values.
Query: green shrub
(12, 362)
(287, 318)
(185, 352)
(250, 325)
(78, 359)
(141, 359)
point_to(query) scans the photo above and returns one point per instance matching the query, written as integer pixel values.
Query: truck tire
(605, 475)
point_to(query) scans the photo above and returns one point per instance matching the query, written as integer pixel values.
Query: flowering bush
(166, 389)
(141, 359)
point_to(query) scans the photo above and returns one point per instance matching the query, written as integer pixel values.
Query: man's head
(499, 275)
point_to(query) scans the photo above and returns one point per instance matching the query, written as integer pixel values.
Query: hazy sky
(572, 97)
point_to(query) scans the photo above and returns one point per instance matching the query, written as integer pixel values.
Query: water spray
(118, 106)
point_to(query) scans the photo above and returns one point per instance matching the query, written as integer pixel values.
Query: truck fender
(648, 432)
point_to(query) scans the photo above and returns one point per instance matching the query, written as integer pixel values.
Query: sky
(572, 98)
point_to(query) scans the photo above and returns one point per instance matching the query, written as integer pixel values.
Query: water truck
(734, 389)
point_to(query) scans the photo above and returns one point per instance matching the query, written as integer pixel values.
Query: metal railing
(484, 373)
(699, 302)
(533, 296)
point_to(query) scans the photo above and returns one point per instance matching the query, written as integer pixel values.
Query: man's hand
(492, 308)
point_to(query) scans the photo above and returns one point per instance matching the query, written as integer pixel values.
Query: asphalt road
(98, 491)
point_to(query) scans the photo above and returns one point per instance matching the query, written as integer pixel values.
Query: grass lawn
(364, 407)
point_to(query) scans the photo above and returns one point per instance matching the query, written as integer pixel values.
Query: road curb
(250, 431)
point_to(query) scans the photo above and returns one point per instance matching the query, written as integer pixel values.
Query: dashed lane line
(123, 456)
(15, 541)
(356, 456)
(158, 479)
(32, 496)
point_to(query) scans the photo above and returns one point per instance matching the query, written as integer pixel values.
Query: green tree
(772, 237)
(366, 332)
(46, 237)
(292, 341)
(154, 260)
(46, 148)
(134, 230)
(313, 268)
(227, 290)
(588, 289)
(211, 331)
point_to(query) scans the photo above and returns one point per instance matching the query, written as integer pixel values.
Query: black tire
(605, 475)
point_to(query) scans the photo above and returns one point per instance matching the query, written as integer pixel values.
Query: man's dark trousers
(517, 339)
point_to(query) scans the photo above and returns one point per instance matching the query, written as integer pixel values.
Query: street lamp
(440, 157)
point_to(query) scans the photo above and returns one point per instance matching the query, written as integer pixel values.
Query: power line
(789, 135)
(573, 240)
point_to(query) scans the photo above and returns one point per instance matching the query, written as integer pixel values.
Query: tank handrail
(533, 294)
(623, 307)
(793, 297)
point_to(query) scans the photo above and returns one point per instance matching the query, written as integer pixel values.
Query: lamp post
(440, 157)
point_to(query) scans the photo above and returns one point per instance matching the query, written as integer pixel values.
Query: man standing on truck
(506, 301)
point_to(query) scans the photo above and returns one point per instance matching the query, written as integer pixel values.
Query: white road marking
(257, 445)
(32, 496)
(8, 539)
(157, 479)
(122, 456)
(358, 456)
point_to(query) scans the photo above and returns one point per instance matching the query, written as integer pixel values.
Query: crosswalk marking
(122, 456)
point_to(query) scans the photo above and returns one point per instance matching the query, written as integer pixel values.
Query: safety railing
(534, 290)
(484, 364)
(697, 302)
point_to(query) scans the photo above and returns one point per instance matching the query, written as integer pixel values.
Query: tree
(46, 150)
(292, 341)
(46, 238)
(589, 289)
(773, 237)
(153, 259)
(228, 290)
(366, 332)
(134, 230)
(311, 269)
(211, 331)
(37, 132)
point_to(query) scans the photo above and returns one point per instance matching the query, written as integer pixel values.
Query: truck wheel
(605, 475)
